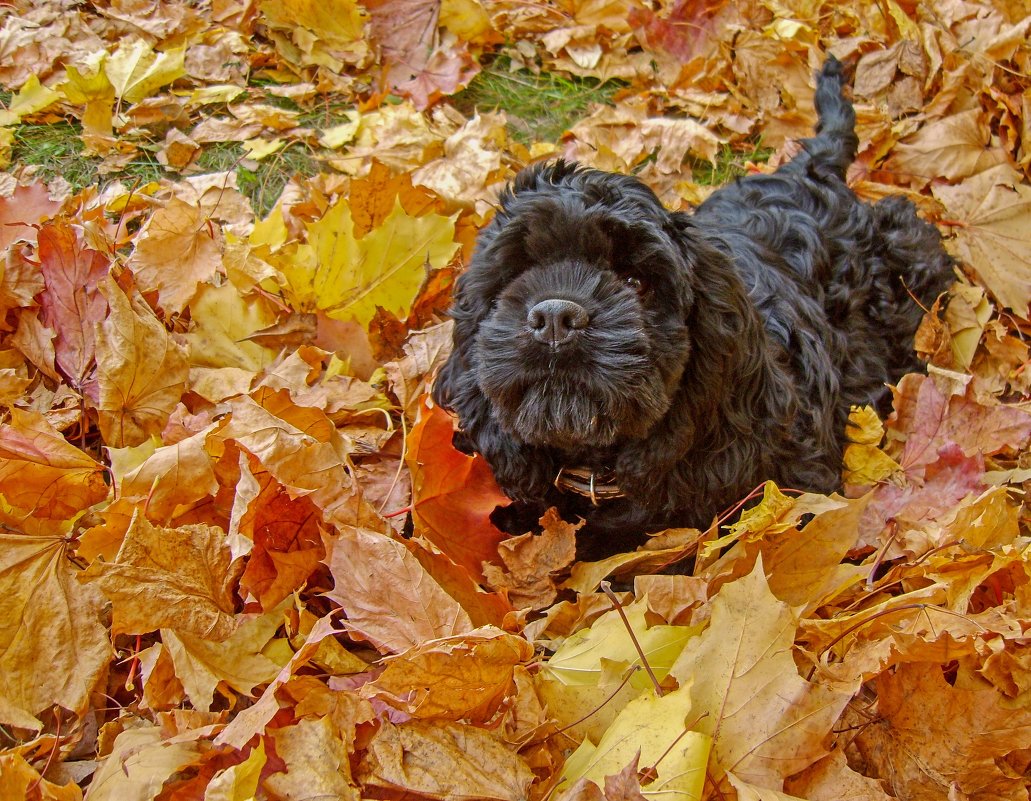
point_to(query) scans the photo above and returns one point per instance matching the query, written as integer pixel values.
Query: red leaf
(72, 305)
(454, 493)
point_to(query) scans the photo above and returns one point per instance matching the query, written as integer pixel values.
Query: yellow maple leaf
(93, 89)
(32, 97)
(137, 72)
(652, 727)
(865, 462)
(384, 268)
(325, 34)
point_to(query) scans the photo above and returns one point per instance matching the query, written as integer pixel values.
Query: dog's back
(821, 257)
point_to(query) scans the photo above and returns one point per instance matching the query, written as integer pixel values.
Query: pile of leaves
(238, 555)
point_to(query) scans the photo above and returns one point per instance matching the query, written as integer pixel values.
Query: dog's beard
(604, 386)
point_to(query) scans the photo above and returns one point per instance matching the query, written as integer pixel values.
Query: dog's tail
(835, 145)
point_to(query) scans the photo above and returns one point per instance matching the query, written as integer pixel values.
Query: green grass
(54, 149)
(731, 163)
(539, 107)
(264, 185)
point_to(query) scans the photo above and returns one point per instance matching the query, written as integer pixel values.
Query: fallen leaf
(388, 597)
(453, 494)
(917, 710)
(657, 730)
(140, 763)
(317, 762)
(444, 759)
(953, 148)
(72, 303)
(42, 474)
(765, 720)
(178, 249)
(994, 214)
(177, 578)
(466, 677)
(239, 661)
(136, 71)
(141, 370)
(385, 268)
(55, 621)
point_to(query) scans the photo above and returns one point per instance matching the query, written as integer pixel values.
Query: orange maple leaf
(454, 494)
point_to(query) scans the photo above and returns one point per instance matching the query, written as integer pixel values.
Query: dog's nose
(554, 322)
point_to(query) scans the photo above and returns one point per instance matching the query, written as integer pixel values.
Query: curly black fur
(716, 350)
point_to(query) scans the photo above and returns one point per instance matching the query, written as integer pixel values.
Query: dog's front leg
(649, 470)
(524, 472)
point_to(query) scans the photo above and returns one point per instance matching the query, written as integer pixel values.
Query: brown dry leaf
(453, 678)
(287, 543)
(831, 779)
(172, 478)
(141, 370)
(41, 474)
(953, 148)
(300, 447)
(18, 779)
(178, 249)
(177, 578)
(446, 760)
(531, 559)
(766, 722)
(424, 352)
(993, 231)
(20, 282)
(918, 712)
(317, 763)
(53, 621)
(472, 160)
(388, 597)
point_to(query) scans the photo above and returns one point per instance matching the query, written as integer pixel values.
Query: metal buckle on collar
(584, 481)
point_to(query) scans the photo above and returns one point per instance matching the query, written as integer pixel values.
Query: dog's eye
(635, 284)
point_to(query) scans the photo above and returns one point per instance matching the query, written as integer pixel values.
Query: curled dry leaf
(453, 678)
(444, 760)
(177, 578)
(53, 620)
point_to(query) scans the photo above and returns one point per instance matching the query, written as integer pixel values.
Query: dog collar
(584, 481)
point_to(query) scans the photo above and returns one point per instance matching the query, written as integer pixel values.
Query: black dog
(643, 369)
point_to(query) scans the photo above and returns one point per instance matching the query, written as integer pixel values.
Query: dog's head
(571, 323)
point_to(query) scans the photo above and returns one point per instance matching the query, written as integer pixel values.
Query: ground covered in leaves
(238, 557)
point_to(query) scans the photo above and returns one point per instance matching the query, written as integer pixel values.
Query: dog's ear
(730, 355)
